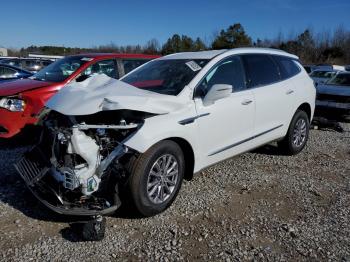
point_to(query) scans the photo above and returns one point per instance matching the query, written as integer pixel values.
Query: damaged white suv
(106, 142)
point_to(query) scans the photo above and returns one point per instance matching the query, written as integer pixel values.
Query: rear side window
(261, 70)
(288, 67)
(130, 65)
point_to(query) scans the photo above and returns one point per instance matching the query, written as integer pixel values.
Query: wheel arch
(188, 155)
(306, 107)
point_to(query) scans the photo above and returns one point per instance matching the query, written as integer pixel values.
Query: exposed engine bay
(81, 162)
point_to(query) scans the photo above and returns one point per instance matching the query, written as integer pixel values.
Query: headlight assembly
(13, 104)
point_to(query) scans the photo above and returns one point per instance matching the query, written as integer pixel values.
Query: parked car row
(8, 72)
(29, 64)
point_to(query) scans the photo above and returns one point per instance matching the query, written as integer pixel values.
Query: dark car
(30, 64)
(321, 76)
(335, 94)
(8, 72)
(309, 68)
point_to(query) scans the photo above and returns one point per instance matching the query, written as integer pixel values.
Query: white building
(3, 51)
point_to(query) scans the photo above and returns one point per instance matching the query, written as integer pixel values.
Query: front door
(224, 126)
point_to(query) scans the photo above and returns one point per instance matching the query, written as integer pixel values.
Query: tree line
(311, 47)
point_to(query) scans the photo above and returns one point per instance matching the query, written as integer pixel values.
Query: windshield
(340, 80)
(167, 77)
(61, 69)
(322, 74)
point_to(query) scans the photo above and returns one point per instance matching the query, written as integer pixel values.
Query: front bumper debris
(35, 169)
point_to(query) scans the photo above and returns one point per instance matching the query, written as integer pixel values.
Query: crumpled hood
(102, 93)
(333, 90)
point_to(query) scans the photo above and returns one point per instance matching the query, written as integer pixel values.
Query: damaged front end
(80, 162)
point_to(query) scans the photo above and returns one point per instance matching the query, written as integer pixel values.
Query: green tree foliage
(199, 45)
(183, 43)
(234, 36)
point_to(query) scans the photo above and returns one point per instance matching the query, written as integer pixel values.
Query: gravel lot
(259, 206)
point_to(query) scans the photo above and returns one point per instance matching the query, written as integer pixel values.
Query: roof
(116, 55)
(195, 55)
(326, 70)
(213, 53)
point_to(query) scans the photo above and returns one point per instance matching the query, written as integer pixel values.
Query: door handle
(246, 102)
(290, 92)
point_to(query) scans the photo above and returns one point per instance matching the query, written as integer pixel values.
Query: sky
(89, 23)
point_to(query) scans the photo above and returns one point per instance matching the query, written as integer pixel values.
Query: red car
(22, 100)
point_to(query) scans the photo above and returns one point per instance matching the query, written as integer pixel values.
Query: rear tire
(156, 178)
(297, 135)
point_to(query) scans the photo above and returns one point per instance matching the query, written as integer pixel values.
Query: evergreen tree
(235, 36)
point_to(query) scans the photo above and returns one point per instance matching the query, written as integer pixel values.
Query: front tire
(297, 135)
(156, 178)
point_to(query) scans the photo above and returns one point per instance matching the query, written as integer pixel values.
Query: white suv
(105, 139)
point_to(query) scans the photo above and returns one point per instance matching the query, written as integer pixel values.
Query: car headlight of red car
(13, 104)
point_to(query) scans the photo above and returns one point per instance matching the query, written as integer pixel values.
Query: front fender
(161, 127)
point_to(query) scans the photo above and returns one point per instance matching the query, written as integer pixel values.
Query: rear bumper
(11, 123)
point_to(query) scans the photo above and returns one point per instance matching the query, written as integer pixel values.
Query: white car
(107, 142)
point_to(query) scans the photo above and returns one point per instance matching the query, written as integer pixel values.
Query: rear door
(272, 105)
(294, 88)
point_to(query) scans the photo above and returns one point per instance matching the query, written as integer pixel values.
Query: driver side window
(230, 72)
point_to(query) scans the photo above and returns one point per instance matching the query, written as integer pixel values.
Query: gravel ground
(257, 206)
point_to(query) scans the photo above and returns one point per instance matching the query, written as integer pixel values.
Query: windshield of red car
(340, 80)
(167, 77)
(61, 69)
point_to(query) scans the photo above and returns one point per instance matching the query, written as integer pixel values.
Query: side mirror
(216, 92)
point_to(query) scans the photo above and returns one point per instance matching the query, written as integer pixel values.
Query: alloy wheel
(299, 132)
(162, 178)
